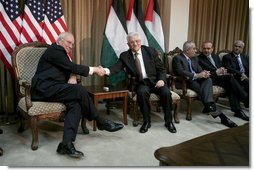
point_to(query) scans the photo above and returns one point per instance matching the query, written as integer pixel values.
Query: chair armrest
(27, 86)
(183, 81)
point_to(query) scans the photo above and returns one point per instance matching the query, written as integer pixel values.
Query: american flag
(54, 21)
(33, 21)
(10, 26)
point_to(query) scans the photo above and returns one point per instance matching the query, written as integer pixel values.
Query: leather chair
(25, 59)
(154, 100)
(184, 92)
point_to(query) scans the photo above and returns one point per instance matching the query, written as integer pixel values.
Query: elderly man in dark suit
(237, 64)
(55, 80)
(186, 65)
(143, 63)
(219, 75)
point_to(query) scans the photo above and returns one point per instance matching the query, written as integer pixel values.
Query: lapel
(145, 58)
(185, 61)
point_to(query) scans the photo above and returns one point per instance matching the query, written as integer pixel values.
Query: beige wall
(178, 31)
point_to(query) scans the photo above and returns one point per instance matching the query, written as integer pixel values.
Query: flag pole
(6, 117)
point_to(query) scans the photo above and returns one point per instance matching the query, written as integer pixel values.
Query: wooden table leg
(95, 101)
(125, 110)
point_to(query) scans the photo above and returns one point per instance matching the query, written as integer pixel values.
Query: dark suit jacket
(207, 65)
(153, 65)
(53, 71)
(180, 66)
(229, 61)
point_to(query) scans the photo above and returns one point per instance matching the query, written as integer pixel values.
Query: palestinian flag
(154, 32)
(135, 20)
(114, 40)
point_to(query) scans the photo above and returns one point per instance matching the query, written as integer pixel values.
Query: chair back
(222, 53)
(169, 58)
(25, 59)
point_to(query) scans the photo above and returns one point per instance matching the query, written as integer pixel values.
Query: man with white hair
(237, 64)
(143, 63)
(55, 81)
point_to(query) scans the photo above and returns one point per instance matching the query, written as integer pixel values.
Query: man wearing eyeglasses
(55, 81)
(237, 64)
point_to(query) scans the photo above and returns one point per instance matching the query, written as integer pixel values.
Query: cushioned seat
(25, 59)
(185, 92)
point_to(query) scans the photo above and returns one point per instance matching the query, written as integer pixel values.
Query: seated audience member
(237, 64)
(55, 81)
(143, 63)
(186, 65)
(235, 92)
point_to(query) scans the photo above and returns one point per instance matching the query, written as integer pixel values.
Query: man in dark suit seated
(186, 65)
(237, 64)
(219, 75)
(55, 81)
(143, 63)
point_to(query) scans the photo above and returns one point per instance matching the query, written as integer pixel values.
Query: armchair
(25, 59)
(154, 100)
(184, 92)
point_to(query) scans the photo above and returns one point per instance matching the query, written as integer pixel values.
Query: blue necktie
(190, 66)
(240, 64)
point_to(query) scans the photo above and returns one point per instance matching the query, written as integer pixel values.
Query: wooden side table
(97, 93)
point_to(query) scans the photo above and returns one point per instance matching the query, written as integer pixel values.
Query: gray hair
(63, 35)
(239, 43)
(132, 34)
(188, 45)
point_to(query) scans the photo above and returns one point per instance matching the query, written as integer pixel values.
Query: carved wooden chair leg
(22, 123)
(189, 103)
(135, 114)
(176, 110)
(83, 125)
(34, 130)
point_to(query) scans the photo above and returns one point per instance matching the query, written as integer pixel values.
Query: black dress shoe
(209, 108)
(144, 127)
(171, 127)
(108, 125)
(1, 131)
(227, 122)
(241, 115)
(69, 149)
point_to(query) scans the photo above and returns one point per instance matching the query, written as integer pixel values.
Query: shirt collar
(139, 52)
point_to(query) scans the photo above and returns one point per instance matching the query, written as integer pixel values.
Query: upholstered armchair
(25, 59)
(184, 92)
(154, 100)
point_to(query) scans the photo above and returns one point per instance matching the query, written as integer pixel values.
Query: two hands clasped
(207, 74)
(100, 71)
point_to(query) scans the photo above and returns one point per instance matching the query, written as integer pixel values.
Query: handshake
(99, 70)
